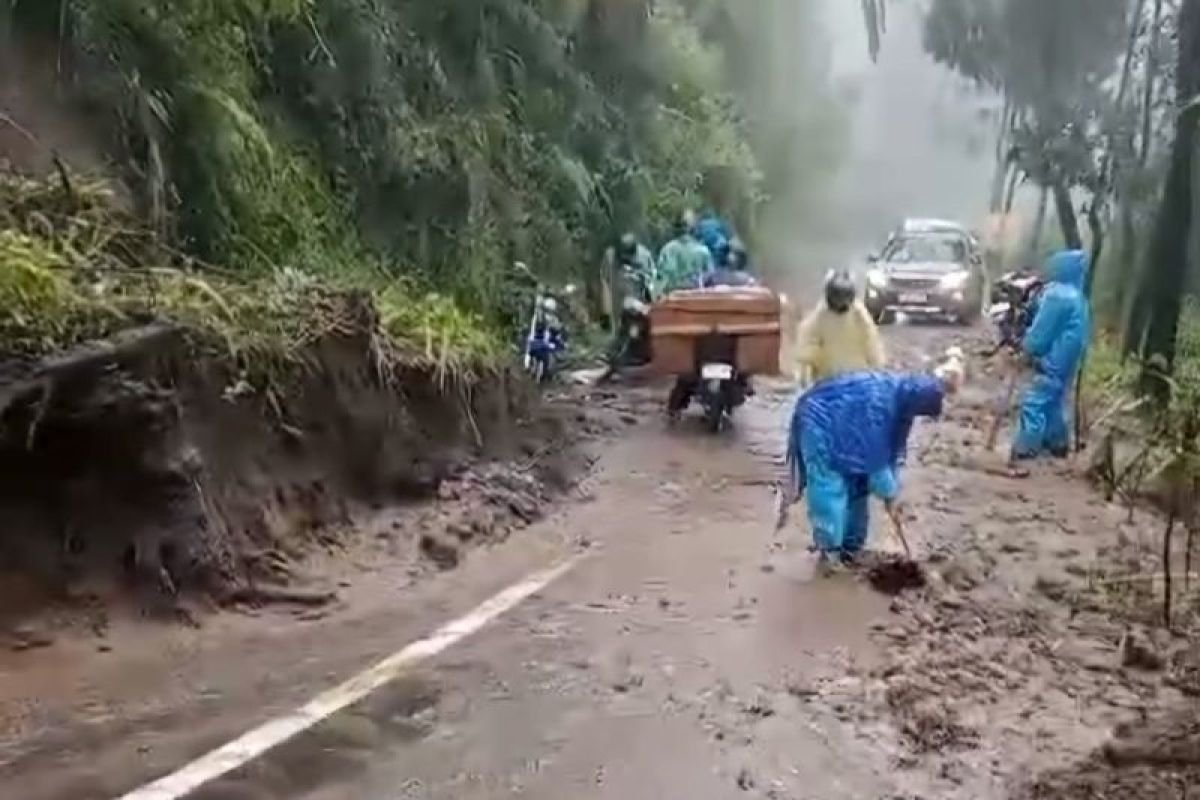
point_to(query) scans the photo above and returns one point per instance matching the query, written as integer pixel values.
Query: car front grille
(917, 284)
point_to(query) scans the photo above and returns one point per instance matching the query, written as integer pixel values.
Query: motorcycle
(1014, 302)
(634, 340)
(717, 384)
(546, 337)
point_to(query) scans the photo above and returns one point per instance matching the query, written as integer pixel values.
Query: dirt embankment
(144, 472)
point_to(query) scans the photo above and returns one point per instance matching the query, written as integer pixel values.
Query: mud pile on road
(1034, 664)
(135, 464)
(181, 435)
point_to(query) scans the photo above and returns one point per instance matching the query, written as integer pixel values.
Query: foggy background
(919, 142)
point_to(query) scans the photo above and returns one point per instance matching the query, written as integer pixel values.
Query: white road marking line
(254, 743)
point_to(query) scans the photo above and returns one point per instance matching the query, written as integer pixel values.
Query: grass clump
(74, 266)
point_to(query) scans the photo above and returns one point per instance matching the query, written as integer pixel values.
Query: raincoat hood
(1068, 267)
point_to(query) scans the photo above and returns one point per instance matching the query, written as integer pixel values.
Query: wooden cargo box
(749, 314)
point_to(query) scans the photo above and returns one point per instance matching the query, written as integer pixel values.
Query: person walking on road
(839, 335)
(1054, 345)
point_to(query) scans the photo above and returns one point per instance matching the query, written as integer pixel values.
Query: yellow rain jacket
(830, 344)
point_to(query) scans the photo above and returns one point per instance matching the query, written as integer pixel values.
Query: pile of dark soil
(142, 469)
(895, 575)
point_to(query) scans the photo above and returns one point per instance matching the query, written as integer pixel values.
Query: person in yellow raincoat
(837, 337)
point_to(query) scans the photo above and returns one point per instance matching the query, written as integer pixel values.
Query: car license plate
(915, 298)
(716, 372)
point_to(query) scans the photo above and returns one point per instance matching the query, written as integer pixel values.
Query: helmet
(839, 291)
(738, 257)
(627, 247)
(683, 225)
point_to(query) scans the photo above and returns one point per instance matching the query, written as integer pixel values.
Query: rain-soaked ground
(691, 652)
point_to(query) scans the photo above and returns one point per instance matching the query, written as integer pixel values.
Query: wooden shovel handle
(1002, 412)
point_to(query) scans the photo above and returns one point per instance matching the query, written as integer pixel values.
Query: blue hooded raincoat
(715, 234)
(1055, 341)
(851, 432)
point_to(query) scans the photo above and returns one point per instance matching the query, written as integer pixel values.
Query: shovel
(787, 494)
(893, 511)
(1002, 410)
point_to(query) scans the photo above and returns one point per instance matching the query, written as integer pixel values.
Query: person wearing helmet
(628, 268)
(683, 262)
(734, 271)
(739, 259)
(839, 335)
(715, 234)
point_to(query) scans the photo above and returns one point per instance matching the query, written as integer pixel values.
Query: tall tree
(1164, 280)
(1050, 61)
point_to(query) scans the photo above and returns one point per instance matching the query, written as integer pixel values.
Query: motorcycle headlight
(550, 304)
(955, 280)
(877, 279)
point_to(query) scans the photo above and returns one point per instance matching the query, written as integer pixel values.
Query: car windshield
(926, 250)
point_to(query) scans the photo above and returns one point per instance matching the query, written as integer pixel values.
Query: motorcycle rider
(715, 234)
(628, 266)
(682, 262)
(735, 271)
(629, 295)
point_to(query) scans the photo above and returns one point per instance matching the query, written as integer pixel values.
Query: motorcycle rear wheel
(714, 416)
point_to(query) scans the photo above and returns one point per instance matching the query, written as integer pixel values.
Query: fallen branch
(273, 595)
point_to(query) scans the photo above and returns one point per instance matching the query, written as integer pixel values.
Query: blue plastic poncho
(715, 234)
(850, 434)
(1056, 342)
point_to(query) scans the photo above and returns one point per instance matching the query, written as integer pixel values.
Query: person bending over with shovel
(1054, 344)
(851, 433)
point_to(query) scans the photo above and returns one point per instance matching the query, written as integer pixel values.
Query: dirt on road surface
(690, 652)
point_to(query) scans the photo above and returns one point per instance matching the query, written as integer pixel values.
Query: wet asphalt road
(674, 661)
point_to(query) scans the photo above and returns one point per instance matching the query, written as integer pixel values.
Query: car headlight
(877, 279)
(955, 280)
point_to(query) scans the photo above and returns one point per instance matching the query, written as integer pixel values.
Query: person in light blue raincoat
(715, 234)
(852, 433)
(1055, 343)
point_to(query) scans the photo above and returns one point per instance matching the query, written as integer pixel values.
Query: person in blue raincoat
(852, 432)
(715, 234)
(1055, 344)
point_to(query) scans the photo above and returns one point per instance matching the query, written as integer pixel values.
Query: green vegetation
(409, 148)
(76, 268)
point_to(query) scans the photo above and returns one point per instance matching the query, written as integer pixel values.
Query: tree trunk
(1003, 160)
(1067, 220)
(1165, 276)
(871, 20)
(1120, 147)
(1010, 194)
(1039, 224)
(1151, 79)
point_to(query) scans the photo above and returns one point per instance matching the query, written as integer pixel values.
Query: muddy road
(685, 650)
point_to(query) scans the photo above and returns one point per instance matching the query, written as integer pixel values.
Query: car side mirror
(872, 258)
